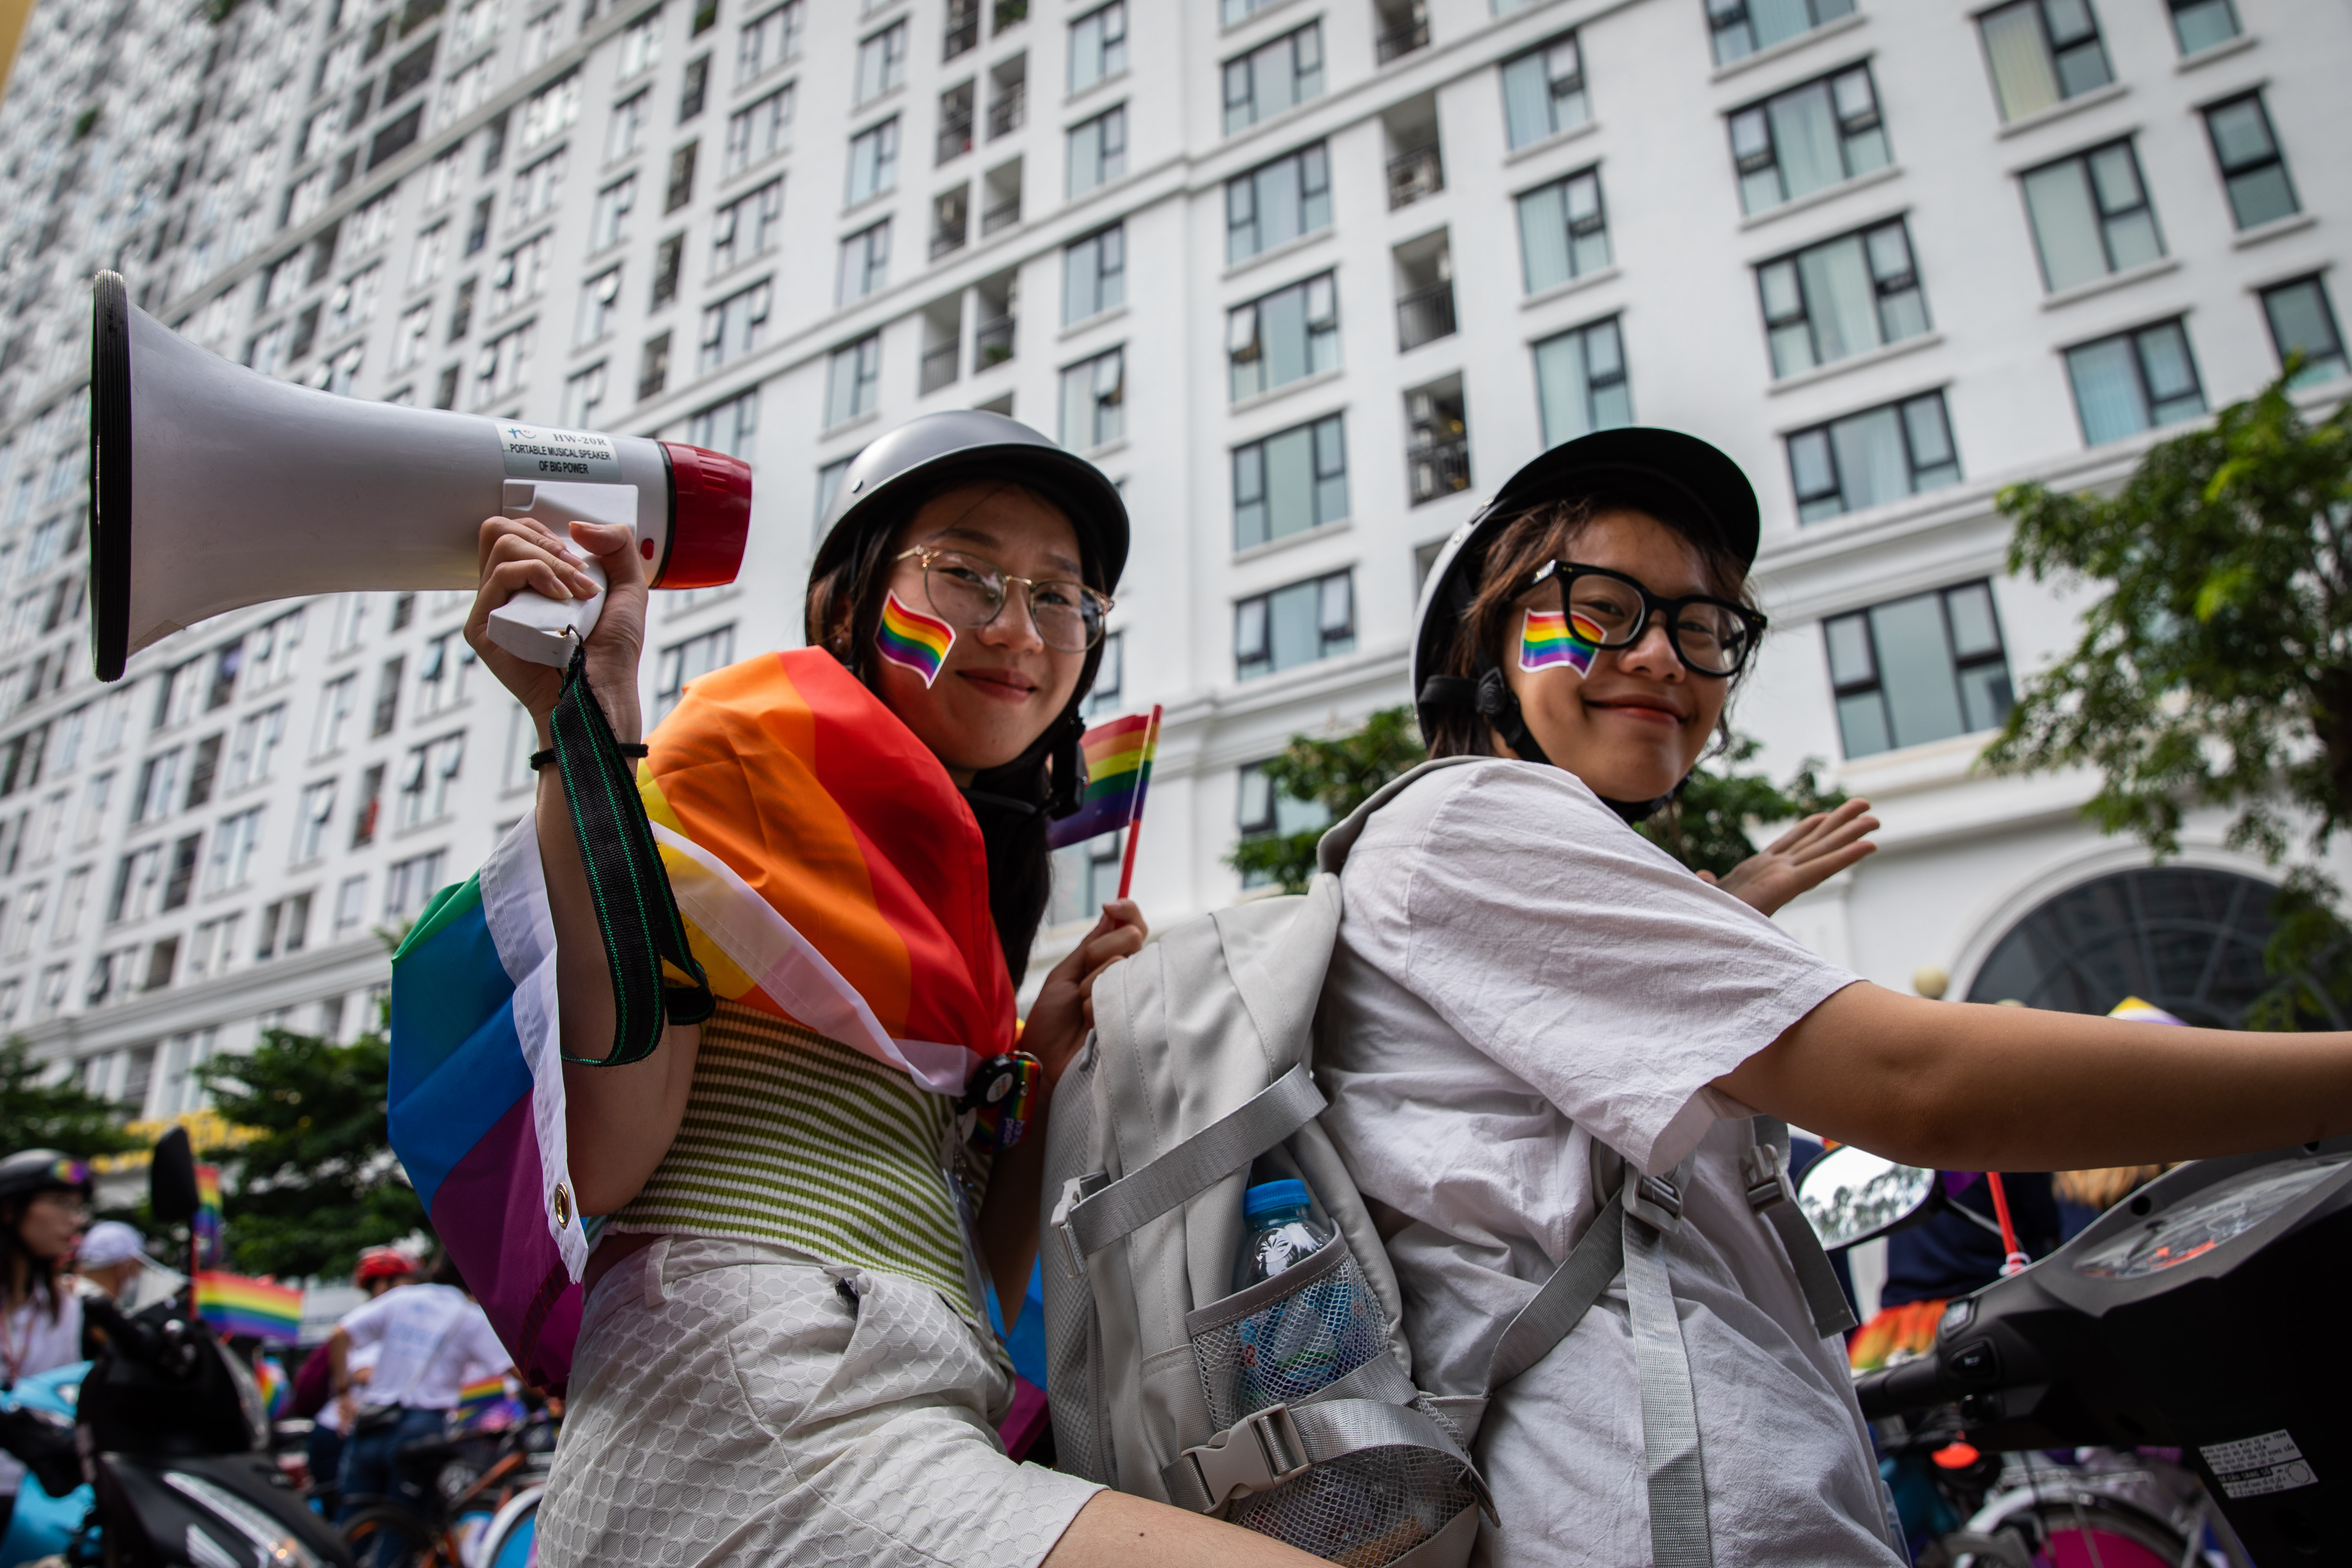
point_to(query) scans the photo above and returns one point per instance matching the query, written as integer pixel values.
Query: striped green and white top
(798, 1140)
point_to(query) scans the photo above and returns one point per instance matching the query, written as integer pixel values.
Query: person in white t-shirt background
(1523, 984)
(431, 1340)
(379, 1269)
(44, 1204)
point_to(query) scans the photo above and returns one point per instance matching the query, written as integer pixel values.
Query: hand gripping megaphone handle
(530, 625)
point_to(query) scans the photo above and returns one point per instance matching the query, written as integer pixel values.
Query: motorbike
(173, 1435)
(2171, 1322)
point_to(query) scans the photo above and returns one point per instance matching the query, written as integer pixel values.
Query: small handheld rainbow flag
(1552, 638)
(234, 1304)
(1118, 772)
(277, 1388)
(483, 1406)
(208, 1221)
(910, 638)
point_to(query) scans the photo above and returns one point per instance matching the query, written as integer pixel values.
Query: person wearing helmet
(784, 1351)
(1535, 1020)
(44, 1204)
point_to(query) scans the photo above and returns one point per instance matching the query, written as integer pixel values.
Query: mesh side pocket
(1283, 1342)
(1071, 1334)
(1363, 1509)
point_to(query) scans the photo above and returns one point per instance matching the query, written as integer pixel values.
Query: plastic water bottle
(1306, 1340)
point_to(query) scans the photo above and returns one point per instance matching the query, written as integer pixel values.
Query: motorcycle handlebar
(1913, 1385)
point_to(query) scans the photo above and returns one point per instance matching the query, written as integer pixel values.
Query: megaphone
(213, 487)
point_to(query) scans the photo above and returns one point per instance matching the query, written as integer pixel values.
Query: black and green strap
(634, 910)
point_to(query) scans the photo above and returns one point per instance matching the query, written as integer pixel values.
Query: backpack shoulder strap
(1331, 849)
(1775, 1201)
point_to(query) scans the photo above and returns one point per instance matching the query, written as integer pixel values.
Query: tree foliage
(1706, 825)
(64, 1116)
(1337, 772)
(319, 1181)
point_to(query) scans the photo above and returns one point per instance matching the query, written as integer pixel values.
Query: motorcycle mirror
(171, 1179)
(1849, 1195)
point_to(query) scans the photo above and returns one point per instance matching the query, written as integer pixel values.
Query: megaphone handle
(533, 626)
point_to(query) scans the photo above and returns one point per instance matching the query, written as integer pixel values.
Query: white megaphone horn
(213, 487)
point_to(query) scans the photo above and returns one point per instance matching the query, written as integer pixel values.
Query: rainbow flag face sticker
(909, 638)
(1550, 639)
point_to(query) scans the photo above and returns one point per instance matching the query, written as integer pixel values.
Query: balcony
(1395, 43)
(1414, 175)
(1010, 109)
(950, 222)
(962, 28)
(1440, 468)
(1425, 315)
(992, 344)
(939, 366)
(955, 126)
(1003, 214)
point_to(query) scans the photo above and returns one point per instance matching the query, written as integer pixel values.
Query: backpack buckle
(1768, 1181)
(1655, 1200)
(1075, 1191)
(1261, 1450)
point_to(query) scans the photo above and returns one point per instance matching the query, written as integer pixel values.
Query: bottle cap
(1268, 1196)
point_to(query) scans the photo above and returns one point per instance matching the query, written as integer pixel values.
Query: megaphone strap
(541, 759)
(636, 912)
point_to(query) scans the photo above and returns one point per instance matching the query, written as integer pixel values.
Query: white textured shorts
(738, 1403)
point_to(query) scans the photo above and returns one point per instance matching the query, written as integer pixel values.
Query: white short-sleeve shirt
(435, 1340)
(1518, 974)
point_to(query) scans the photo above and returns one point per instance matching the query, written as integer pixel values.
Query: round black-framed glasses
(970, 593)
(1608, 609)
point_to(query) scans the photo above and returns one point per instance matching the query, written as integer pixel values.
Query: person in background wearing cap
(785, 1352)
(113, 1261)
(43, 1203)
(1526, 995)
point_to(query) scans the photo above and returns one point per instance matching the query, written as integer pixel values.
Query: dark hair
(1544, 532)
(445, 1271)
(40, 1273)
(844, 609)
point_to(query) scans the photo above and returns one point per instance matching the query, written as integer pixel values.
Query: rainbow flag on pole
(1118, 773)
(264, 1308)
(210, 1252)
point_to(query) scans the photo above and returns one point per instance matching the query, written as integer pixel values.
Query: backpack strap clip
(1261, 1450)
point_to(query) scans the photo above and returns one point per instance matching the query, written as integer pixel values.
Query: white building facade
(1309, 278)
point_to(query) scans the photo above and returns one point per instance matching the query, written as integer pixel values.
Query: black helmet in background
(31, 1171)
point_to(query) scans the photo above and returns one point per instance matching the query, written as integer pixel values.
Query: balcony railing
(1397, 42)
(992, 344)
(1011, 108)
(955, 135)
(1439, 468)
(1003, 214)
(963, 28)
(1425, 315)
(939, 366)
(947, 241)
(1414, 175)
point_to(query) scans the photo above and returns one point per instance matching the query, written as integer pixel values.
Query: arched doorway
(2190, 941)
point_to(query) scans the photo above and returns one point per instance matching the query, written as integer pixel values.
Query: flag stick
(1135, 813)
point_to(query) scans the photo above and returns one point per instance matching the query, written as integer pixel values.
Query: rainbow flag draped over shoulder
(1118, 772)
(827, 872)
(264, 1308)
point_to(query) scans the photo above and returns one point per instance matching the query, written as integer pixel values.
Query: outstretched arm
(1965, 1087)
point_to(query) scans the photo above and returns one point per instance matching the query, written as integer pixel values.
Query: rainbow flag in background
(210, 1252)
(264, 1308)
(1118, 773)
(484, 1406)
(277, 1388)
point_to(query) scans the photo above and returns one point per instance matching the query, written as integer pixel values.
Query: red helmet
(383, 1263)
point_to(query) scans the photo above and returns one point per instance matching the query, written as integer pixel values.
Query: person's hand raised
(521, 554)
(1065, 1009)
(1802, 859)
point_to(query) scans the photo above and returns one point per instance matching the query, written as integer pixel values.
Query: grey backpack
(1199, 1074)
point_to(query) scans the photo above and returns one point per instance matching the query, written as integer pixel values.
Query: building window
(371, 805)
(1580, 382)
(641, 46)
(1919, 669)
(828, 485)
(881, 63)
(653, 367)
(311, 825)
(1289, 482)
(1743, 26)
(1097, 45)
(1097, 149)
(1264, 811)
(1807, 139)
(1845, 296)
(864, 264)
(1294, 626)
(2091, 216)
(2042, 53)
(2201, 24)
(2252, 168)
(694, 89)
(520, 274)
(1280, 337)
(1085, 878)
(2190, 942)
(1094, 275)
(337, 700)
(1563, 231)
(584, 397)
(351, 904)
(498, 368)
(681, 178)
(2304, 322)
(626, 132)
(1093, 401)
(873, 162)
(609, 225)
(549, 112)
(769, 39)
(853, 379)
(1277, 203)
(1274, 76)
(235, 843)
(760, 132)
(726, 426)
(2135, 381)
(407, 884)
(599, 306)
(751, 226)
(734, 327)
(1879, 455)
(1103, 697)
(254, 754)
(426, 780)
(1543, 91)
(690, 660)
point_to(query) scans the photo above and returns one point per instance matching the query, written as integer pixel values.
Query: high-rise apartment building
(1309, 278)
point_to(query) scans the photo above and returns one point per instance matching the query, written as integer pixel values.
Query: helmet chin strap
(1061, 738)
(1499, 706)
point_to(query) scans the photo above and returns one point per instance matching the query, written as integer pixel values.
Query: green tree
(1705, 825)
(1337, 773)
(319, 1182)
(64, 1116)
(2214, 667)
